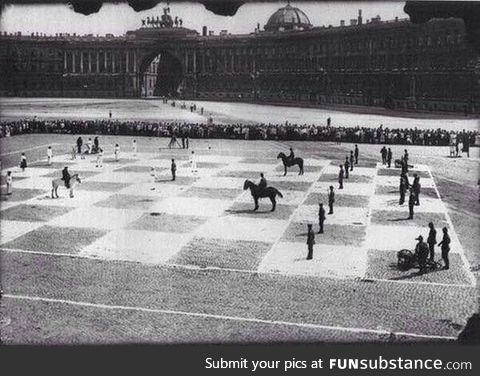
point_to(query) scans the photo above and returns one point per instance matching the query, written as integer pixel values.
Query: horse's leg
(56, 191)
(71, 192)
(285, 166)
(256, 203)
(52, 191)
(274, 202)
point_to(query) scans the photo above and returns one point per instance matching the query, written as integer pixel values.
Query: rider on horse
(291, 156)
(66, 177)
(262, 185)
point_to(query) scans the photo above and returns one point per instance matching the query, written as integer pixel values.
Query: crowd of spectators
(286, 131)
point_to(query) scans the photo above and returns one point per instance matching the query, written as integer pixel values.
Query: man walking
(389, 157)
(173, 168)
(9, 180)
(411, 203)
(403, 188)
(421, 250)
(79, 145)
(49, 155)
(134, 147)
(383, 152)
(347, 167)
(341, 174)
(117, 153)
(331, 200)
(432, 240)
(445, 247)
(310, 242)
(416, 189)
(351, 160)
(356, 154)
(321, 217)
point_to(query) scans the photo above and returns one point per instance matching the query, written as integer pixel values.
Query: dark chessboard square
(163, 222)
(352, 178)
(396, 172)
(290, 185)
(120, 160)
(168, 156)
(239, 174)
(383, 265)
(54, 165)
(68, 240)
(341, 199)
(210, 165)
(221, 253)
(81, 174)
(20, 194)
(217, 193)
(179, 180)
(101, 186)
(295, 168)
(392, 190)
(33, 213)
(400, 218)
(245, 209)
(260, 160)
(348, 235)
(135, 168)
(371, 163)
(119, 201)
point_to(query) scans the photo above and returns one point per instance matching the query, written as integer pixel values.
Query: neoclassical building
(393, 64)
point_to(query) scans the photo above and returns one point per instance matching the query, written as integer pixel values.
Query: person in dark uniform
(291, 156)
(331, 200)
(173, 168)
(347, 167)
(310, 241)
(421, 251)
(411, 204)
(432, 240)
(329, 121)
(66, 177)
(416, 189)
(383, 152)
(445, 247)
(351, 160)
(389, 157)
(356, 154)
(341, 174)
(403, 188)
(79, 145)
(96, 144)
(262, 184)
(405, 160)
(321, 217)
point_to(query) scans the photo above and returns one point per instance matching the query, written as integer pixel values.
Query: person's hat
(309, 225)
(420, 237)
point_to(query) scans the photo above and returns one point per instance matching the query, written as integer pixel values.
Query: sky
(118, 18)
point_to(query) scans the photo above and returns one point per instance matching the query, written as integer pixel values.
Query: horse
(57, 182)
(269, 192)
(287, 163)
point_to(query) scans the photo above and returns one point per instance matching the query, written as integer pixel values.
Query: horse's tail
(300, 163)
(278, 192)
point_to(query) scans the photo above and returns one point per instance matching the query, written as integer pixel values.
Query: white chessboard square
(293, 176)
(332, 261)
(35, 182)
(219, 182)
(389, 202)
(122, 177)
(29, 172)
(187, 171)
(395, 238)
(218, 159)
(202, 207)
(363, 171)
(360, 189)
(315, 162)
(342, 215)
(154, 189)
(394, 181)
(260, 167)
(97, 217)
(419, 167)
(138, 246)
(242, 228)
(80, 198)
(10, 230)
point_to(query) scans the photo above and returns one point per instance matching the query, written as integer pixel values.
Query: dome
(288, 18)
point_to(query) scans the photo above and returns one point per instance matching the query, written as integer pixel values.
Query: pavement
(179, 255)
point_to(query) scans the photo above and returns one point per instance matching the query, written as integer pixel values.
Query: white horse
(74, 179)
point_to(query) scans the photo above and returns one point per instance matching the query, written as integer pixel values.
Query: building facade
(393, 64)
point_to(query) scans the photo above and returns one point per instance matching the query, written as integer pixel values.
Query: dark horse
(287, 163)
(269, 192)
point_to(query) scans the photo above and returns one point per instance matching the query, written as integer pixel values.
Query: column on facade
(89, 62)
(232, 61)
(194, 61)
(105, 61)
(65, 61)
(113, 62)
(126, 62)
(73, 61)
(186, 61)
(81, 61)
(134, 61)
(98, 62)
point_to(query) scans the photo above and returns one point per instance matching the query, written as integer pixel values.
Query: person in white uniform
(193, 162)
(49, 155)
